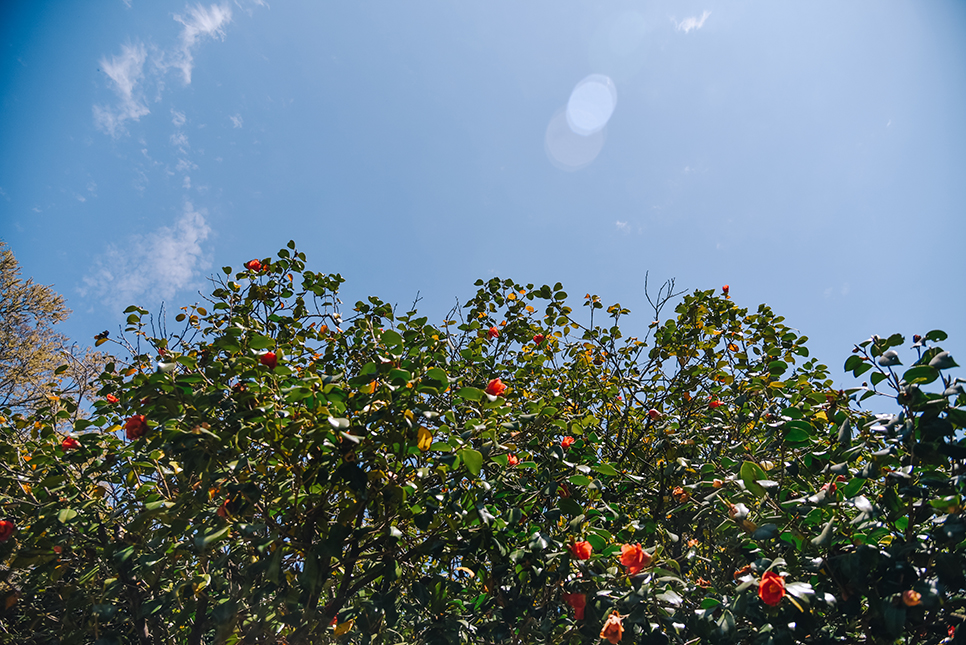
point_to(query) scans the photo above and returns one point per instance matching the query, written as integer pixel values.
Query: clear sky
(810, 154)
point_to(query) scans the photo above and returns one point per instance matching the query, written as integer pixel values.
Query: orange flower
(613, 629)
(911, 598)
(717, 483)
(581, 550)
(680, 495)
(111, 398)
(634, 558)
(715, 403)
(566, 442)
(701, 582)
(253, 265)
(512, 460)
(492, 332)
(743, 571)
(771, 589)
(578, 602)
(69, 443)
(725, 289)
(495, 387)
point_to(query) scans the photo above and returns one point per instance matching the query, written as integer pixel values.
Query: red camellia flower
(6, 530)
(578, 602)
(715, 403)
(566, 442)
(253, 265)
(581, 550)
(725, 289)
(613, 629)
(69, 443)
(136, 427)
(493, 332)
(111, 398)
(512, 460)
(495, 387)
(771, 589)
(538, 339)
(653, 414)
(634, 558)
(269, 360)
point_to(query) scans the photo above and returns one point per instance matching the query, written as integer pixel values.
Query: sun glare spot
(591, 104)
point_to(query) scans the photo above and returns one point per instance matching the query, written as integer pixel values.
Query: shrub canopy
(275, 473)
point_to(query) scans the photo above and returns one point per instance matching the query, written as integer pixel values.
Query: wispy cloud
(125, 71)
(693, 22)
(236, 120)
(129, 75)
(199, 23)
(154, 266)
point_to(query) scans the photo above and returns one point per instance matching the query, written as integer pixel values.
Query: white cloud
(125, 72)
(622, 226)
(177, 118)
(186, 184)
(154, 266)
(236, 120)
(688, 24)
(199, 23)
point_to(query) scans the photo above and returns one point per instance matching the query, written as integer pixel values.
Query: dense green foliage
(304, 478)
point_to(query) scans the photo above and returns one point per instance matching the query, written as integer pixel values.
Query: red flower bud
(581, 550)
(495, 387)
(725, 289)
(653, 414)
(136, 427)
(6, 530)
(566, 442)
(69, 443)
(538, 339)
(269, 360)
(253, 265)
(714, 403)
(578, 602)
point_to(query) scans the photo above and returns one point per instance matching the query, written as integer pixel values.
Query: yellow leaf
(368, 388)
(342, 628)
(468, 572)
(424, 438)
(821, 415)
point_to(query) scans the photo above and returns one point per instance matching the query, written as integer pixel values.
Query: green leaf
(825, 537)
(937, 335)
(853, 487)
(202, 541)
(579, 480)
(391, 338)
(438, 375)
(605, 469)
(257, 341)
(470, 393)
(750, 474)
(473, 460)
(66, 514)
(920, 374)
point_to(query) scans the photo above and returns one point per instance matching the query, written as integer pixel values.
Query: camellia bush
(278, 472)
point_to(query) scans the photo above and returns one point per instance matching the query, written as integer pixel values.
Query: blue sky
(811, 155)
